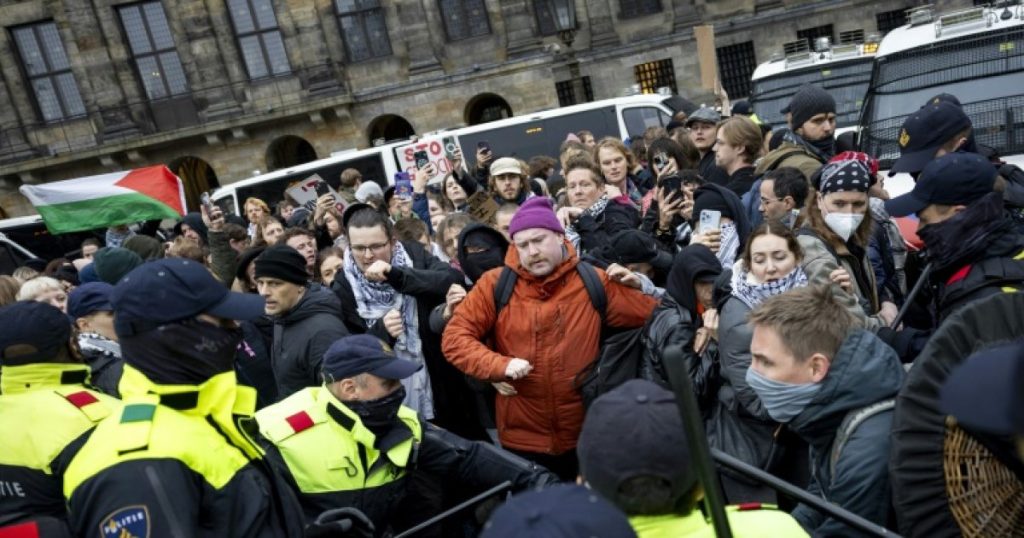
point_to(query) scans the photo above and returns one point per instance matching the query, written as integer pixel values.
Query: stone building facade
(219, 89)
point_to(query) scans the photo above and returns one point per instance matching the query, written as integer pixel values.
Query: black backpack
(621, 350)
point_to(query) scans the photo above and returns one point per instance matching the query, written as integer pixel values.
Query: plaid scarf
(753, 294)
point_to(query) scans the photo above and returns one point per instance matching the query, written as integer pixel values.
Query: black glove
(341, 523)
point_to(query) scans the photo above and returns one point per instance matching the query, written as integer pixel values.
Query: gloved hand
(341, 523)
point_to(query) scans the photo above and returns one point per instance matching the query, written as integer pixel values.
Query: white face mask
(844, 224)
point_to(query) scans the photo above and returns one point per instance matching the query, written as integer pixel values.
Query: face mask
(783, 401)
(379, 415)
(843, 224)
(478, 263)
(184, 353)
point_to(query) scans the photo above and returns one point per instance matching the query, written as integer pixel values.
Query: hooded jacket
(675, 322)
(550, 322)
(194, 221)
(864, 371)
(302, 336)
(823, 255)
(596, 231)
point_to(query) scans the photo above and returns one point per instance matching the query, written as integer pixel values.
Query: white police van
(976, 54)
(842, 70)
(525, 136)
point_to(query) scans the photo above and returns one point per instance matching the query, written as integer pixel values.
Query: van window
(541, 137)
(37, 239)
(272, 192)
(638, 119)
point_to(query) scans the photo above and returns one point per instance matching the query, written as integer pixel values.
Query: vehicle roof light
(961, 19)
(921, 15)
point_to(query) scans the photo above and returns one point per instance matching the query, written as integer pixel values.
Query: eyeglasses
(375, 248)
(766, 201)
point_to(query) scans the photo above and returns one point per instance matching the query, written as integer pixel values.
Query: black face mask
(963, 238)
(379, 415)
(184, 353)
(478, 263)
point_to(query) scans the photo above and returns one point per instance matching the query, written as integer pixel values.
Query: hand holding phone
(322, 188)
(421, 159)
(710, 219)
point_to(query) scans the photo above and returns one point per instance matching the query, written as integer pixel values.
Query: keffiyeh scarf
(595, 211)
(753, 294)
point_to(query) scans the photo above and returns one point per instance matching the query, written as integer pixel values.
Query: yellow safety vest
(323, 452)
(44, 407)
(752, 520)
(145, 429)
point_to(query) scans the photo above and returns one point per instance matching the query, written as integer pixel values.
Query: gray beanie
(809, 101)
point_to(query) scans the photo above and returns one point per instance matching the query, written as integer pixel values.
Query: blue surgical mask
(783, 401)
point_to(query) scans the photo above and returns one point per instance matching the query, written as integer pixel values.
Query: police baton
(921, 280)
(819, 504)
(456, 509)
(696, 439)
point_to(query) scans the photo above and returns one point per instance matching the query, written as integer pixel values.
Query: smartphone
(322, 188)
(207, 203)
(449, 147)
(710, 219)
(660, 160)
(421, 159)
(403, 188)
(484, 146)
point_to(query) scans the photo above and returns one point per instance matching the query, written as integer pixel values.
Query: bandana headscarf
(846, 174)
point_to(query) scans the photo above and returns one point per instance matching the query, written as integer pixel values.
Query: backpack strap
(504, 288)
(853, 419)
(595, 289)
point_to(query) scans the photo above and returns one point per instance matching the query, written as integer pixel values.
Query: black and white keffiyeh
(753, 293)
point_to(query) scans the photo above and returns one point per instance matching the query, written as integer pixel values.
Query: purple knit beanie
(535, 213)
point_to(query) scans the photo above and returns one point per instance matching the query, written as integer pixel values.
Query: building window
(363, 28)
(49, 72)
(736, 63)
(890, 20)
(545, 17)
(851, 36)
(638, 8)
(152, 45)
(810, 34)
(565, 93)
(259, 38)
(653, 75)
(464, 19)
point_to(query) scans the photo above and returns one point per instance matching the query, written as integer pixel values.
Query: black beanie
(711, 199)
(809, 101)
(284, 263)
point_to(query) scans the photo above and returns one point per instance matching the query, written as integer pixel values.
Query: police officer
(351, 442)
(178, 459)
(44, 408)
(633, 451)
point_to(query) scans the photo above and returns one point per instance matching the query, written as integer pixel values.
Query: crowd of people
(361, 364)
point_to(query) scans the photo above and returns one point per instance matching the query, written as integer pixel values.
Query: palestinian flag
(87, 203)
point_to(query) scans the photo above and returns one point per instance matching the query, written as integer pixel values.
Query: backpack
(853, 419)
(621, 350)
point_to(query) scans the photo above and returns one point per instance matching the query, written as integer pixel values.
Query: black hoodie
(481, 236)
(302, 336)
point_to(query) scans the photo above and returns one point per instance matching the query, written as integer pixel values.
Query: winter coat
(596, 231)
(790, 154)
(105, 362)
(550, 322)
(428, 281)
(672, 325)
(741, 181)
(253, 362)
(864, 371)
(710, 171)
(302, 336)
(819, 262)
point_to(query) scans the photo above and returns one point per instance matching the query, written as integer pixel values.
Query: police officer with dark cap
(372, 442)
(45, 407)
(633, 451)
(561, 511)
(89, 306)
(178, 459)
(972, 243)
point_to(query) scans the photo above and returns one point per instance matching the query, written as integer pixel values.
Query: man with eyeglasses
(783, 192)
(307, 318)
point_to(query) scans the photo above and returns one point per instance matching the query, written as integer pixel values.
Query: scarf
(821, 149)
(594, 211)
(373, 301)
(729, 245)
(965, 237)
(753, 294)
